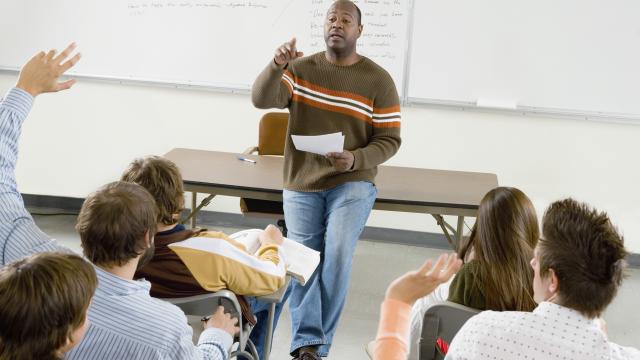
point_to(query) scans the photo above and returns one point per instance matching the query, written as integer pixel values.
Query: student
(391, 342)
(496, 275)
(578, 267)
(43, 305)
(327, 199)
(168, 275)
(116, 226)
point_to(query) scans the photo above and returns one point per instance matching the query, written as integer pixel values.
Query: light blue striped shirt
(126, 322)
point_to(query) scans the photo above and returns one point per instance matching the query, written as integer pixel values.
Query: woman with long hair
(496, 274)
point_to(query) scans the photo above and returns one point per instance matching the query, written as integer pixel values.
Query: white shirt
(549, 332)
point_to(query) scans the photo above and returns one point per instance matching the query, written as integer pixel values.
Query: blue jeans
(331, 222)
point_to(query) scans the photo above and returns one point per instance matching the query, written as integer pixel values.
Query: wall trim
(47, 204)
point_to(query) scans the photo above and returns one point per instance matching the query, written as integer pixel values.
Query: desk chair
(205, 304)
(443, 321)
(272, 134)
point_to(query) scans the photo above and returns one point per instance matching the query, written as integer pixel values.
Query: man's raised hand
(286, 53)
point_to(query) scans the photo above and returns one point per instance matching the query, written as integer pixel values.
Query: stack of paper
(319, 144)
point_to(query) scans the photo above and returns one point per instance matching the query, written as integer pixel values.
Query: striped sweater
(359, 100)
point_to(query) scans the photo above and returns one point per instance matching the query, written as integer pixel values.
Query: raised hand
(419, 283)
(42, 72)
(286, 53)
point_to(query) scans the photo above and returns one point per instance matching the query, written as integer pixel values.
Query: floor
(374, 266)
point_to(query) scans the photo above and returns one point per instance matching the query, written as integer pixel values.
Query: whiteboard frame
(148, 82)
(523, 110)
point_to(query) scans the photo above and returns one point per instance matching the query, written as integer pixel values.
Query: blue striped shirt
(126, 322)
(16, 223)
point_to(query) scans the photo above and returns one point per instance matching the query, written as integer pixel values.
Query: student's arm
(227, 265)
(393, 329)
(19, 235)
(214, 342)
(272, 88)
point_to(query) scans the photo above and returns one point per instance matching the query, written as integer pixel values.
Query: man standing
(327, 199)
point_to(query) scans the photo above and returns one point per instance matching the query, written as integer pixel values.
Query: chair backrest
(206, 304)
(272, 133)
(443, 321)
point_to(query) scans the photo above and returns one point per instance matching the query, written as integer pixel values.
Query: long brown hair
(43, 299)
(503, 238)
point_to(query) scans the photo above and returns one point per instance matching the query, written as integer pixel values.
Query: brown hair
(503, 239)
(163, 180)
(586, 252)
(113, 222)
(43, 299)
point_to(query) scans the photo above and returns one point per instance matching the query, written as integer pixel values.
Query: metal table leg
(194, 201)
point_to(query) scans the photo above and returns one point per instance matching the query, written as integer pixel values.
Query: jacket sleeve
(227, 265)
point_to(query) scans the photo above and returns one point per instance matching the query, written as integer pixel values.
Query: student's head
(43, 305)
(342, 27)
(117, 224)
(502, 240)
(163, 180)
(579, 261)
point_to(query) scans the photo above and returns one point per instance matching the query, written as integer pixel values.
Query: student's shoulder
(495, 320)
(468, 271)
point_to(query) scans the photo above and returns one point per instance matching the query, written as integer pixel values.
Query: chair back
(272, 133)
(443, 321)
(206, 304)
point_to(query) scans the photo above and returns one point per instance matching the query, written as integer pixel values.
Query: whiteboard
(210, 43)
(579, 56)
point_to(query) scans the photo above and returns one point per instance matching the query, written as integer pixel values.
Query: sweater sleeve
(393, 331)
(385, 139)
(272, 88)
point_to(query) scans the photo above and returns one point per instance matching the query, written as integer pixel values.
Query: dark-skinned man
(327, 199)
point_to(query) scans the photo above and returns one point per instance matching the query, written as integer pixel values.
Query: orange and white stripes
(342, 102)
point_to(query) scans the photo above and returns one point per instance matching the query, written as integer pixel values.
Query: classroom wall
(75, 141)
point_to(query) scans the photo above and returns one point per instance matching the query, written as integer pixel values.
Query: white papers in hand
(319, 144)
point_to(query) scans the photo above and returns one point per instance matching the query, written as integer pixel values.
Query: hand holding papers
(320, 144)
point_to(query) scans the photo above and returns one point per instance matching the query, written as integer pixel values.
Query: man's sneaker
(308, 356)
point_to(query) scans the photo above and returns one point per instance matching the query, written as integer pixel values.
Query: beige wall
(76, 141)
